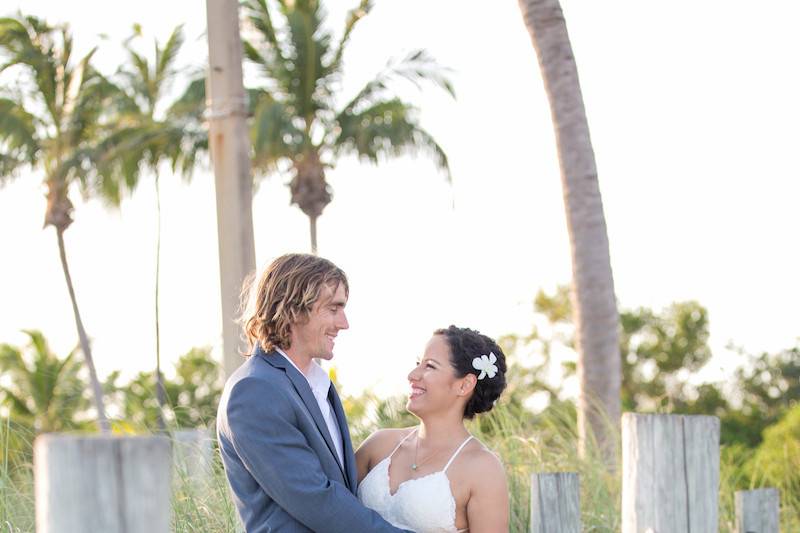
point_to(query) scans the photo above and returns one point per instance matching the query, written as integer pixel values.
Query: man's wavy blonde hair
(284, 295)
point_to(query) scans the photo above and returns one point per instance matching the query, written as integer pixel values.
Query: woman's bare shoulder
(382, 442)
(484, 464)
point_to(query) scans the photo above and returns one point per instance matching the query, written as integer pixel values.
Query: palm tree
(595, 306)
(45, 392)
(145, 136)
(53, 128)
(297, 122)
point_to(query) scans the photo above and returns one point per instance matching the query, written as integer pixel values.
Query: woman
(436, 477)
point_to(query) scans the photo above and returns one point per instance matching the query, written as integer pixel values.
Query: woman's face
(434, 385)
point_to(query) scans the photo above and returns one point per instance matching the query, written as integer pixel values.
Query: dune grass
(526, 444)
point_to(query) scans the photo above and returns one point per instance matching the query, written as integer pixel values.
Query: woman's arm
(487, 507)
(366, 453)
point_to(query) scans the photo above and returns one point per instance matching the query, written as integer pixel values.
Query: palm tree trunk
(313, 229)
(160, 392)
(97, 390)
(229, 143)
(596, 317)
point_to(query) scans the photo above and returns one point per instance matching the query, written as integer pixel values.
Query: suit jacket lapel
(303, 389)
(347, 445)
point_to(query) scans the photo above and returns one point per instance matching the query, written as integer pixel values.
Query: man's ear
(468, 383)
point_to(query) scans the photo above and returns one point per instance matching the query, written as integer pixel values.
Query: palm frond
(139, 80)
(28, 41)
(353, 17)
(310, 43)
(18, 405)
(165, 63)
(273, 133)
(18, 140)
(387, 128)
(117, 161)
(188, 132)
(9, 167)
(271, 56)
(192, 102)
(257, 12)
(11, 360)
(94, 99)
(416, 68)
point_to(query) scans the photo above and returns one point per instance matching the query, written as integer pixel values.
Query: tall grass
(202, 503)
(525, 443)
(548, 443)
(16, 479)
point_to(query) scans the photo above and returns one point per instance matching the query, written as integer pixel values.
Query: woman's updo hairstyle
(465, 345)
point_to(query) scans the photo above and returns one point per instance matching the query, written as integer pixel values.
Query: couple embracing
(284, 439)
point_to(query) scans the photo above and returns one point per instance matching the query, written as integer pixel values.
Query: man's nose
(343, 323)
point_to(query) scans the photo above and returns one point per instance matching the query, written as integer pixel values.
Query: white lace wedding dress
(424, 504)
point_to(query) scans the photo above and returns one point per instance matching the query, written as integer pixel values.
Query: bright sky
(692, 109)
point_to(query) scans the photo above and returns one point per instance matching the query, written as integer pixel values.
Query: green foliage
(527, 442)
(299, 121)
(768, 386)
(192, 395)
(204, 505)
(16, 478)
(43, 391)
(56, 114)
(660, 351)
(147, 130)
(777, 461)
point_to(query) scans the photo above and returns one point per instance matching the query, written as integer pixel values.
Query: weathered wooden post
(555, 503)
(670, 478)
(758, 511)
(192, 452)
(102, 483)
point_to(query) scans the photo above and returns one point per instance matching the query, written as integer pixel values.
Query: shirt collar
(317, 378)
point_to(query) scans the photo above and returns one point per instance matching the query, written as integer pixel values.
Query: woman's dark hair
(465, 345)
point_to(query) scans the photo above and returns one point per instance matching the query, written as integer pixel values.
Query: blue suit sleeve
(266, 438)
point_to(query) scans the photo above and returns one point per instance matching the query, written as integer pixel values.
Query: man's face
(316, 336)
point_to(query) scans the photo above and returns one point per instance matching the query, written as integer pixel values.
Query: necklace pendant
(414, 466)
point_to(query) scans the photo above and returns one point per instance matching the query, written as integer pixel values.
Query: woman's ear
(468, 383)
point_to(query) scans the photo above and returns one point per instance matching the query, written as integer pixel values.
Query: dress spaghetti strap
(402, 441)
(456, 453)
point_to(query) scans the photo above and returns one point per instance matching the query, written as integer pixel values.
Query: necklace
(416, 464)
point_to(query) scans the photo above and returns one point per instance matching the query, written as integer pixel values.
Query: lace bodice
(425, 504)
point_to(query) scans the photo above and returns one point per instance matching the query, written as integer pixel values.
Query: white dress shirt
(320, 384)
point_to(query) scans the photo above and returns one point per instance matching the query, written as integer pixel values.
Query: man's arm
(276, 454)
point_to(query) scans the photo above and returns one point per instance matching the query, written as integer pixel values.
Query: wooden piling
(555, 503)
(757, 511)
(102, 483)
(670, 473)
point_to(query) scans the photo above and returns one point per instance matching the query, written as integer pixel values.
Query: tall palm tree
(52, 125)
(595, 306)
(45, 392)
(145, 136)
(298, 124)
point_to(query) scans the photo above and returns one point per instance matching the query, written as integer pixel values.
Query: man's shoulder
(259, 376)
(257, 367)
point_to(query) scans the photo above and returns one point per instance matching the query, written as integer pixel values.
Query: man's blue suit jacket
(279, 457)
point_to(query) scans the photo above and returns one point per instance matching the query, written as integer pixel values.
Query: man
(281, 428)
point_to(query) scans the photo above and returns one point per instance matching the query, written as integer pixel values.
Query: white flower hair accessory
(486, 364)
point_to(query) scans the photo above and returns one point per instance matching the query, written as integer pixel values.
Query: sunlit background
(692, 110)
